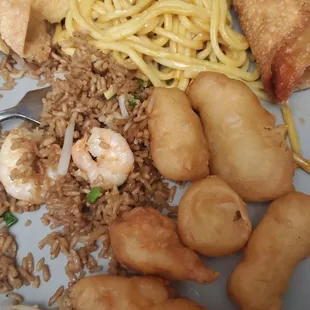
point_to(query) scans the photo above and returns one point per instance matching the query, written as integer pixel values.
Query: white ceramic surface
(213, 295)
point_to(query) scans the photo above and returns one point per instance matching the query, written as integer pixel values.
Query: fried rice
(82, 226)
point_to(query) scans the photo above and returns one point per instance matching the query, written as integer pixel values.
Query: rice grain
(40, 264)
(95, 269)
(30, 263)
(16, 298)
(55, 249)
(25, 274)
(82, 226)
(46, 273)
(7, 244)
(28, 223)
(57, 294)
(172, 193)
(36, 283)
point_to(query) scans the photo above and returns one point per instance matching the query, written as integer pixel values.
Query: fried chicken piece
(278, 244)
(178, 145)
(212, 219)
(178, 304)
(107, 292)
(247, 150)
(146, 241)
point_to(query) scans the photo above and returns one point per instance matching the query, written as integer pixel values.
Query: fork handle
(12, 113)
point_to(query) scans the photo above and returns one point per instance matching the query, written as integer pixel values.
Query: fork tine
(35, 95)
(29, 108)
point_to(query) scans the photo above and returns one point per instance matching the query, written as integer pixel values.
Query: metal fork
(29, 108)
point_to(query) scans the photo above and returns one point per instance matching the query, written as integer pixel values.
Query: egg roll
(278, 33)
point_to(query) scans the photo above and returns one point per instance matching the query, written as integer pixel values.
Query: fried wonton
(278, 32)
(51, 10)
(38, 41)
(3, 47)
(23, 26)
(14, 20)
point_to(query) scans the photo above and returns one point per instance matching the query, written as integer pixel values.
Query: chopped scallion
(140, 83)
(132, 102)
(94, 194)
(136, 96)
(9, 218)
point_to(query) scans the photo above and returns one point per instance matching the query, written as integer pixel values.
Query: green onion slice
(136, 96)
(94, 194)
(140, 83)
(9, 218)
(132, 102)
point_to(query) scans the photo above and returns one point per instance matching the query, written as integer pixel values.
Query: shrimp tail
(80, 144)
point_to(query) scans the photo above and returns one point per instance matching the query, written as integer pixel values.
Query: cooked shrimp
(18, 174)
(114, 158)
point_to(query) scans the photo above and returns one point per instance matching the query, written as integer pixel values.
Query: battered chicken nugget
(247, 150)
(178, 145)
(213, 219)
(115, 293)
(146, 241)
(178, 304)
(277, 245)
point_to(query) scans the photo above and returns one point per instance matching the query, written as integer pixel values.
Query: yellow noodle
(134, 57)
(291, 128)
(215, 22)
(86, 8)
(302, 162)
(125, 4)
(234, 40)
(125, 13)
(185, 62)
(169, 41)
(177, 38)
(189, 25)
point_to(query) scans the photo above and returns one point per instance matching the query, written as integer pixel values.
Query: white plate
(212, 295)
